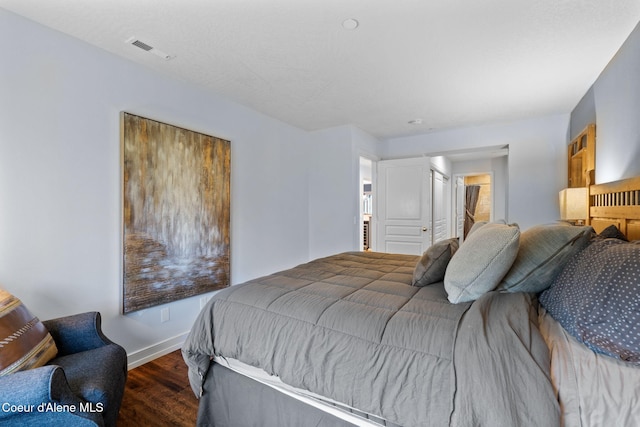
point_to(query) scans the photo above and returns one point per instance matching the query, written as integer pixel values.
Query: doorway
(366, 202)
(474, 201)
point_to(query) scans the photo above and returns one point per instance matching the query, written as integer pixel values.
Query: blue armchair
(82, 386)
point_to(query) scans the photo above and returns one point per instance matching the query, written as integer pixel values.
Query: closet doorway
(474, 201)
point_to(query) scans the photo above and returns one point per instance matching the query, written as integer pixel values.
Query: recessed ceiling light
(350, 24)
(415, 122)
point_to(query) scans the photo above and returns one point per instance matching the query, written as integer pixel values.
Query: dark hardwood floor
(158, 394)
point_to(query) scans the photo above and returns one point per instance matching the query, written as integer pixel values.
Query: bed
(466, 335)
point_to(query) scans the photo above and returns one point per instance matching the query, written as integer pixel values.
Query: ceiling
(450, 63)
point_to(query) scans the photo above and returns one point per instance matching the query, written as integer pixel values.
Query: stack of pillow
(497, 256)
(589, 284)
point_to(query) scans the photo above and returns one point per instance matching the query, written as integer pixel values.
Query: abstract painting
(176, 212)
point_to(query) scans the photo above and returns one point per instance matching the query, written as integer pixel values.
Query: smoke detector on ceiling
(144, 46)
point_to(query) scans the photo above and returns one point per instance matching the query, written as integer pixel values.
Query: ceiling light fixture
(350, 24)
(144, 46)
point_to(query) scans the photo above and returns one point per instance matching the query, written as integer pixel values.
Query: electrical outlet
(164, 315)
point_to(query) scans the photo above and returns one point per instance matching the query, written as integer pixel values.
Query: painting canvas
(176, 212)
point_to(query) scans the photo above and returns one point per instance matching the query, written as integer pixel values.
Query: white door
(460, 189)
(439, 227)
(404, 213)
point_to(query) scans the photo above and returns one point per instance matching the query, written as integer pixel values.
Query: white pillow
(481, 262)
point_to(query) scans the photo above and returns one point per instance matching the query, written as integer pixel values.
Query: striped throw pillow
(25, 343)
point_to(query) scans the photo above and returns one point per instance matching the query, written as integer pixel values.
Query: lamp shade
(574, 203)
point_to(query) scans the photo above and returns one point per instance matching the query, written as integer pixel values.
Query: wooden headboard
(616, 203)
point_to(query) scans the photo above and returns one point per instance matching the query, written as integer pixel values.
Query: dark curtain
(470, 202)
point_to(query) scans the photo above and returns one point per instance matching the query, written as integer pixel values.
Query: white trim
(147, 354)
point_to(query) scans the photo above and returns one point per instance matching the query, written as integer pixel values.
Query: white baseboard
(140, 357)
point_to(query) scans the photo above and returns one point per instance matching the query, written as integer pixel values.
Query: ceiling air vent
(142, 45)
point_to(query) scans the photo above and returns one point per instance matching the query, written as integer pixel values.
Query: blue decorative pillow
(596, 298)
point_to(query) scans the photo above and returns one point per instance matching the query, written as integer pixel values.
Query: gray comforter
(350, 327)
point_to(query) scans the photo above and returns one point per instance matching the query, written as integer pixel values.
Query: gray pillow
(481, 262)
(544, 251)
(476, 226)
(433, 263)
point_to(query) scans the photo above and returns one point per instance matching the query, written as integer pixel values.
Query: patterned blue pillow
(596, 298)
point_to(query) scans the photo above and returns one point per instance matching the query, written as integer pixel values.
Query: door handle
(424, 228)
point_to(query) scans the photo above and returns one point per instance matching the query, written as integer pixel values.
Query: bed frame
(616, 203)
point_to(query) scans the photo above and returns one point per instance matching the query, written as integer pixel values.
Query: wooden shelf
(581, 155)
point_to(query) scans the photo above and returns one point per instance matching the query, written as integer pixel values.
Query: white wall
(442, 164)
(536, 164)
(616, 99)
(60, 232)
(334, 188)
(499, 168)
